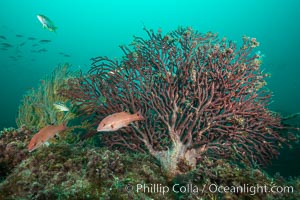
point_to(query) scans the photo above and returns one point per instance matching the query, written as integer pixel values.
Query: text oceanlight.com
(212, 188)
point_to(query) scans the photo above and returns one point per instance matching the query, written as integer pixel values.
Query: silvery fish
(47, 23)
(61, 107)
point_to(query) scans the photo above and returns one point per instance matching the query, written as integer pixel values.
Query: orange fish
(118, 120)
(44, 135)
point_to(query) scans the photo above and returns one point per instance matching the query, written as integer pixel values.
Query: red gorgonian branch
(200, 95)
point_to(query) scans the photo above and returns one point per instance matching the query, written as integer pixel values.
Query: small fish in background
(44, 41)
(44, 135)
(19, 35)
(31, 38)
(42, 50)
(34, 45)
(22, 44)
(61, 107)
(118, 120)
(64, 54)
(13, 58)
(2, 37)
(6, 45)
(47, 23)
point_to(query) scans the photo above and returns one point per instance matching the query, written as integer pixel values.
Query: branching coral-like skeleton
(200, 96)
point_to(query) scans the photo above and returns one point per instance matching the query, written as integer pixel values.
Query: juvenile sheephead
(61, 107)
(118, 120)
(47, 23)
(44, 135)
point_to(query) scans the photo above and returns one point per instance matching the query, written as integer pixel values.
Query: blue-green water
(92, 28)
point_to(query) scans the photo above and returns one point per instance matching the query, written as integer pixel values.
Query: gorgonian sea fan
(200, 95)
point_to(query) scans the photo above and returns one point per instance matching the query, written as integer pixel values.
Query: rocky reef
(12, 148)
(83, 171)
